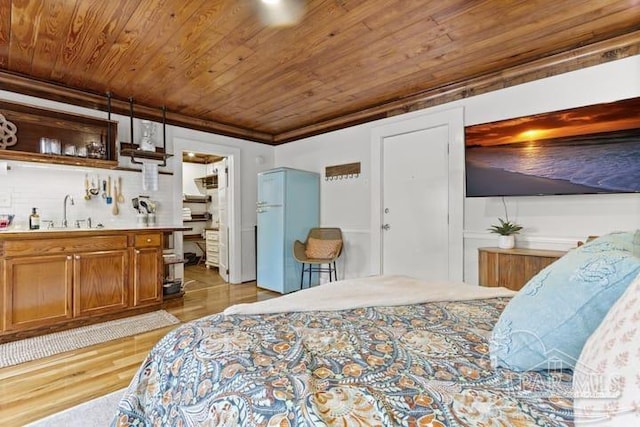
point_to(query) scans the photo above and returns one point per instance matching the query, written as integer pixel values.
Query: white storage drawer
(212, 247)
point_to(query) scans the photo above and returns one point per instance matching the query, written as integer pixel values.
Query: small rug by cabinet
(28, 349)
(98, 412)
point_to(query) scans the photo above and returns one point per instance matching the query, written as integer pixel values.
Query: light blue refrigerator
(288, 206)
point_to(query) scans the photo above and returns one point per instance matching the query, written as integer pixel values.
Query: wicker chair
(326, 240)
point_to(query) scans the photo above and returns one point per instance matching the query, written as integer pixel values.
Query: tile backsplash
(27, 185)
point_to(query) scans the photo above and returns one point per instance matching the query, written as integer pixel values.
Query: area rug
(98, 412)
(16, 352)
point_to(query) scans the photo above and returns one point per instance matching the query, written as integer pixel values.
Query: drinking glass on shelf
(69, 150)
(56, 148)
(45, 145)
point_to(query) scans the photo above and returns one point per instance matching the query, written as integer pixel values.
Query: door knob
(386, 227)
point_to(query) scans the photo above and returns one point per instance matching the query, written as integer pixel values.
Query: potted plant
(507, 231)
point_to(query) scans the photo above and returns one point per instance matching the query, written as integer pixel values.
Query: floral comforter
(413, 365)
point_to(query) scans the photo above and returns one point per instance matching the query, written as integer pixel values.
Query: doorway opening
(232, 156)
(205, 210)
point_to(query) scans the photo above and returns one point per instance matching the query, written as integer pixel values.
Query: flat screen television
(586, 150)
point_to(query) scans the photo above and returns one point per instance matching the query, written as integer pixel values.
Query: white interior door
(223, 218)
(415, 204)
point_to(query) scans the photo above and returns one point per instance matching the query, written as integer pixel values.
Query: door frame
(234, 201)
(454, 120)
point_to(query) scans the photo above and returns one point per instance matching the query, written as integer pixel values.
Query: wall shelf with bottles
(51, 136)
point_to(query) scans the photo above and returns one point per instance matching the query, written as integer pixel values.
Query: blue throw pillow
(621, 240)
(548, 322)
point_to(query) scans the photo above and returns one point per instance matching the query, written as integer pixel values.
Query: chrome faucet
(65, 223)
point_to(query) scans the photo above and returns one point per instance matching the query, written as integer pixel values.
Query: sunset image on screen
(593, 149)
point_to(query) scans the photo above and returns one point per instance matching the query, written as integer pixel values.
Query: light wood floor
(36, 389)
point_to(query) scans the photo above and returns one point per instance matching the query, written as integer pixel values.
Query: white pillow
(606, 380)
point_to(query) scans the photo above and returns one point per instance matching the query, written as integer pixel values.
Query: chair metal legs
(331, 269)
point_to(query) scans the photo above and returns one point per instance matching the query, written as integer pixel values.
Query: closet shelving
(200, 213)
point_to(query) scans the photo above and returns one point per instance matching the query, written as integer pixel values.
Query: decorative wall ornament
(346, 171)
(8, 132)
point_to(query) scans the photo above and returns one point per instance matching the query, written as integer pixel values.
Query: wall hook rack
(345, 171)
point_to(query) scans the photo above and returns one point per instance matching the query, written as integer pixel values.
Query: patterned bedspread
(416, 365)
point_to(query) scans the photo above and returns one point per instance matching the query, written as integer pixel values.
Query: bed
(380, 351)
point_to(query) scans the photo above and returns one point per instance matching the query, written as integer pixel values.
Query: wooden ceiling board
(54, 25)
(590, 55)
(88, 18)
(5, 31)
(109, 19)
(167, 60)
(373, 69)
(217, 66)
(168, 21)
(151, 27)
(269, 65)
(201, 38)
(367, 63)
(307, 67)
(25, 19)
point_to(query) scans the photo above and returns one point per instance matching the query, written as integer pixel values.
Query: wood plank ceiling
(217, 66)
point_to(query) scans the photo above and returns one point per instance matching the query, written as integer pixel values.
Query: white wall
(343, 203)
(554, 222)
(44, 186)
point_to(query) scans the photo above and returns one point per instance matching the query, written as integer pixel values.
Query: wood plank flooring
(33, 390)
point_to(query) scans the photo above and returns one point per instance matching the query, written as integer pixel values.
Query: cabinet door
(147, 279)
(512, 268)
(37, 291)
(487, 268)
(100, 282)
